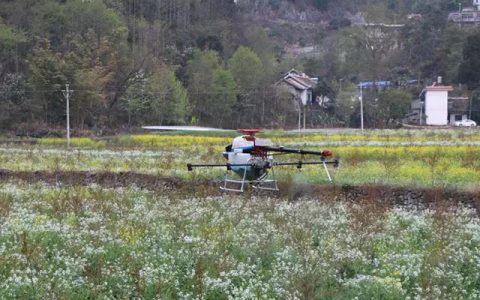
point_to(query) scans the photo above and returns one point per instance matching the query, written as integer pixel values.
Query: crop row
(173, 140)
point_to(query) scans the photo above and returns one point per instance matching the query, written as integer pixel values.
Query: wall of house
(436, 107)
(304, 97)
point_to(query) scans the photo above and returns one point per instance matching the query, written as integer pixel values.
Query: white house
(435, 107)
(436, 104)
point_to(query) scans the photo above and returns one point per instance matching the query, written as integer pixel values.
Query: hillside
(214, 62)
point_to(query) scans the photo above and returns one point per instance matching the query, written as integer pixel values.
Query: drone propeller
(185, 128)
(250, 131)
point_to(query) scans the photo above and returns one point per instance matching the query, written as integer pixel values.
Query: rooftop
(299, 80)
(439, 88)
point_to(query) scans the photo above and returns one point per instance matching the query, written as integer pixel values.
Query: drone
(252, 161)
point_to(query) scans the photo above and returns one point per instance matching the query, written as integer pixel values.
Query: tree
(246, 69)
(93, 62)
(424, 40)
(470, 68)
(170, 99)
(47, 75)
(393, 105)
(261, 44)
(475, 106)
(13, 101)
(345, 103)
(158, 98)
(321, 4)
(368, 51)
(224, 97)
(10, 41)
(101, 47)
(454, 41)
(200, 71)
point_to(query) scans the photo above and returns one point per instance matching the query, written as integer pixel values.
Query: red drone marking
(327, 153)
(252, 131)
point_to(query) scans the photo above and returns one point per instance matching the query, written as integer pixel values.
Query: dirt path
(108, 179)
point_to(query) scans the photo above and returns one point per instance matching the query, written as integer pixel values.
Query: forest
(217, 62)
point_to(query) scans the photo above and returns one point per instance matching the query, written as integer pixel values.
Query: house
(299, 85)
(435, 107)
(436, 104)
(458, 108)
(467, 16)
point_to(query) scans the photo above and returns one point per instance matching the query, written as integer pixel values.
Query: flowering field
(77, 242)
(433, 158)
(93, 242)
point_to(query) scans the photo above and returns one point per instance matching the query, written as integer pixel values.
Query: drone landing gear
(326, 171)
(259, 184)
(266, 184)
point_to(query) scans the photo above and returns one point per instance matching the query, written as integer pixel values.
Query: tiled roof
(299, 80)
(439, 88)
(296, 83)
(307, 81)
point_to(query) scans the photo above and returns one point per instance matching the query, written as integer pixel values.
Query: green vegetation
(213, 63)
(402, 158)
(91, 242)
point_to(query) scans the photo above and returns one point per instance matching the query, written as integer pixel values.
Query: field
(447, 158)
(122, 218)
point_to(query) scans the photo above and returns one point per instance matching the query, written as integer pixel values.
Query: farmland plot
(112, 239)
(401, 158)
(94, 242)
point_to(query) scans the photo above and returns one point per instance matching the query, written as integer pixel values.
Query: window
(458, 117)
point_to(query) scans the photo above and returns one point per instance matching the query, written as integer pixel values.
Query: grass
(82, 142)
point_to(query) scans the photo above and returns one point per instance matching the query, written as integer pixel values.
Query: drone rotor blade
(184, 128)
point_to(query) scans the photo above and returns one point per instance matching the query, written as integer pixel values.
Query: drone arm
(229, 166)
(300, 163)
(296, 151)
(191, 166)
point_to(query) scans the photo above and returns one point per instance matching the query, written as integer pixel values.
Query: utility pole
(66, 93)
(361, 107)
(299, 103)
(470, 105)
(304, 116)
